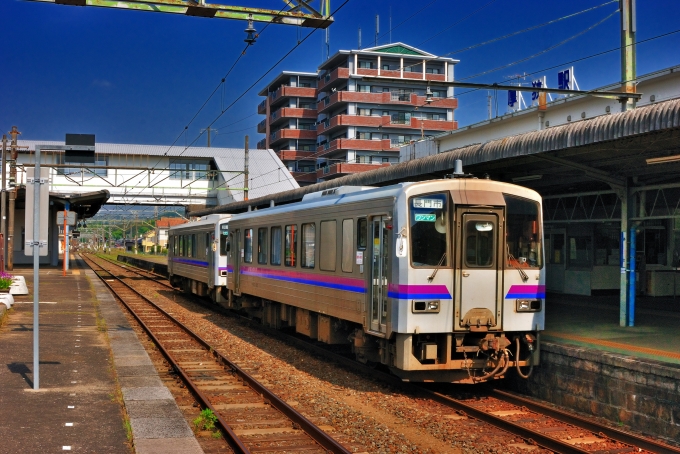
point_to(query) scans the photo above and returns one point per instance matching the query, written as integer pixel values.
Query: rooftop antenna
(359, 38)
(390, 24)
(377, 28)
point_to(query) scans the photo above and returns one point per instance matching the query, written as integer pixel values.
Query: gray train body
(441, 280)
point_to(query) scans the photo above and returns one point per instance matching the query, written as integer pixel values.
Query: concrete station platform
(99, 391)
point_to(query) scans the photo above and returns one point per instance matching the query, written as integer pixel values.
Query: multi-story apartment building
(290, 122)
(368, 103)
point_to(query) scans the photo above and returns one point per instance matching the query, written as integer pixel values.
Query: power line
(541, 52)
(242, 95)
(509, 35)
(458, 22)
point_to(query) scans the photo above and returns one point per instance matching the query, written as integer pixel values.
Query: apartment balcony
(355, 144)
(348, 120)
(419, 124)
(262, 144)
(284, 91)
(291, 112)
(294, 155)
(304, 177)
(262, 108)
(386, 98)
(343, 168)
(262, 127)
(295, 134)
(333, 76)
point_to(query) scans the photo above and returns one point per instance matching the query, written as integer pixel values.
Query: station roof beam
(299, 12)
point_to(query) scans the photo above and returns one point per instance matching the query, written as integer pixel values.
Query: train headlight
(529, 305)
(425, 306)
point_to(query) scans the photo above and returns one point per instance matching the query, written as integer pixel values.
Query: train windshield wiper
(434, 273)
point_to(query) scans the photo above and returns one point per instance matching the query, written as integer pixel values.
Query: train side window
(262, 246)
(182, 252)
(248, 246)
(308, 245)
(347, 242)
(329, 248)
(362, 234)
(275, 258)
(290, 252)
(192, 245)
(207, 245)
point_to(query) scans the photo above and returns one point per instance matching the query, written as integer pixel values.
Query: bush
(5, 280)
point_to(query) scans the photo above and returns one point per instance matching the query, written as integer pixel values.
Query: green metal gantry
(298, 12)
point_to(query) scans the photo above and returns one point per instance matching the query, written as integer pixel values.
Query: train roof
(208, 220)
(349, 194)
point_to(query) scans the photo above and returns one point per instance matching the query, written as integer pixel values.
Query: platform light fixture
(526, 178)
(663, 159)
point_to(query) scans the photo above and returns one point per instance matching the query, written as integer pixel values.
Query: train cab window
(362, 234)
(224, 239)
(262, 246)
(328, 248)
(523, 233)
(347, 241)
(429, 222)
(290, 251)
(275, 258)
(248, 246)
(308, 245)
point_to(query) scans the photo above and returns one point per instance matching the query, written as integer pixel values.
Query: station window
(328, 249)
(290, 245)
(276, 246)
(362, 234)
(248, 246)
(308, 245)
(347, 242)
(262, 246)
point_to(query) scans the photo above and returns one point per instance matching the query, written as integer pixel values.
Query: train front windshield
(523, 233)
(429, 230)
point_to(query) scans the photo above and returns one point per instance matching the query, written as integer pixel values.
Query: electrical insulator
(250, 31)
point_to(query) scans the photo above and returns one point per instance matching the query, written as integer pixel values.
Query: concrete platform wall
(640, 394)
(158, 268)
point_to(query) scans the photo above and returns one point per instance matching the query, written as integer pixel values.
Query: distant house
(162, 226)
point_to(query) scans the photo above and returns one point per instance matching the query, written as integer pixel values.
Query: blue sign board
(538, 84)
(564, 79)
(512, 98)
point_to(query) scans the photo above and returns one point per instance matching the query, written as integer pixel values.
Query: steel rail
(593, 426)
(318, 435)
(133, 268)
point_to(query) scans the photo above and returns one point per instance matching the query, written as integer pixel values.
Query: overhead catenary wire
(223, 111)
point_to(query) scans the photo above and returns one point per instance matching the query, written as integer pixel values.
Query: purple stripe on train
(406, 291)
(526, 291)
(318, 280)
(190, 262)
(228, 268)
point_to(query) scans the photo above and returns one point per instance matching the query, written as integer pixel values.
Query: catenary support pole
(36, 271)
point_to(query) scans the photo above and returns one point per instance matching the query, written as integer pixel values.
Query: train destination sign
(437, 204)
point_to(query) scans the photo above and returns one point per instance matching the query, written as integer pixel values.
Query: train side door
(210, 253)
(380, 257)
(479, 235)
(236, 256)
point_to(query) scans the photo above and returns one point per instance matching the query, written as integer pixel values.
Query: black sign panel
(86, 140)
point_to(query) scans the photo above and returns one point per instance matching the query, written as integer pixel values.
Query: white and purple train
(441, 281)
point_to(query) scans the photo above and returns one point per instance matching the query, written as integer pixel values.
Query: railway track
(535, 425)
(250, 417)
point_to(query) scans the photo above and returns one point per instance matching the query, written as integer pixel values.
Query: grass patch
(128, 428)
(205, 421)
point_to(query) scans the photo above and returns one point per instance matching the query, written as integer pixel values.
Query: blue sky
(136, 77)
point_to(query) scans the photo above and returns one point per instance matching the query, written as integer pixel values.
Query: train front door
(478, 305)
(380, 256)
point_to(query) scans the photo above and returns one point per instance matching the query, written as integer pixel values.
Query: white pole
(36, 269)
